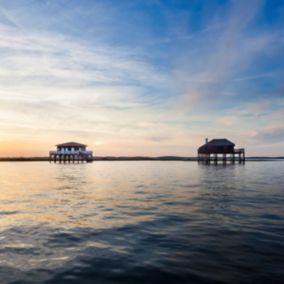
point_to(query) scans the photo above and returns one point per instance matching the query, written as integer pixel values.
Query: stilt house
(211, 149)
(71, 152)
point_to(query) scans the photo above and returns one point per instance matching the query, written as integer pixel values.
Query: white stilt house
(71, 152)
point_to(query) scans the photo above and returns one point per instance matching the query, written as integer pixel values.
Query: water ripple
(141, 222)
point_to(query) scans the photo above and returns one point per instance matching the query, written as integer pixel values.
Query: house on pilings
(71, 152)
(220, 149)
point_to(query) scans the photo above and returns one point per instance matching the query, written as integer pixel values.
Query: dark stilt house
(220, 149)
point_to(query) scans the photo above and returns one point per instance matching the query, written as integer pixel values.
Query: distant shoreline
(135, 158)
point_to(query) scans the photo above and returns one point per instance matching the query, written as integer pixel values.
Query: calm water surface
(141, 222)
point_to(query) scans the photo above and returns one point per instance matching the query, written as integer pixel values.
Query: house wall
(216, 150)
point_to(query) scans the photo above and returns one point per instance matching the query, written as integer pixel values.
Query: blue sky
(141, 77)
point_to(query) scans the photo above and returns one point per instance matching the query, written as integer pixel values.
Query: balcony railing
(74, 152)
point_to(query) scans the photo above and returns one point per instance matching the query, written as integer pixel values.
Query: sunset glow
(141, 77)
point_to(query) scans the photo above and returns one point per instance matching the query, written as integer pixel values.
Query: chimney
(206, 140)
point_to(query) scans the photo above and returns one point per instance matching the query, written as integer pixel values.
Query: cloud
(159, 139)
(270, 135)
(73, 86)
(52, 58)
(7, 18)
(151, 82)
(211, 70)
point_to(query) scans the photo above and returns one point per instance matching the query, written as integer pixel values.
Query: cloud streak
(144, 84)
(212, 68)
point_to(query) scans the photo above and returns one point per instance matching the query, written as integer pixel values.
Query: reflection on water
(141, 222)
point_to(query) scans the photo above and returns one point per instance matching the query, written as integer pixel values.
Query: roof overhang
(71, 144)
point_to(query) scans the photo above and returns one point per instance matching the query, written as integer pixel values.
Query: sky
(140, 77)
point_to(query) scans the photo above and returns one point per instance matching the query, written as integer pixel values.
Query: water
(141, 222)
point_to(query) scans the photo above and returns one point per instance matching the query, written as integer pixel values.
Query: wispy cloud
(211, 67)
(270, 135)
(52, 57)
(156, 81)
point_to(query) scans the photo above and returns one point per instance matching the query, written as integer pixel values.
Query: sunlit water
(141, 222)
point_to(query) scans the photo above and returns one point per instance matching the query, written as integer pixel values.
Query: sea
(141, 222)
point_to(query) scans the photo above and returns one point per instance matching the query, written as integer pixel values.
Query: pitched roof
(220, 142)
(216, 142)
(71, 144)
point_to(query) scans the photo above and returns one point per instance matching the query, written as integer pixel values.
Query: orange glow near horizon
(13, 148)
(41, 147)
(32, 149)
